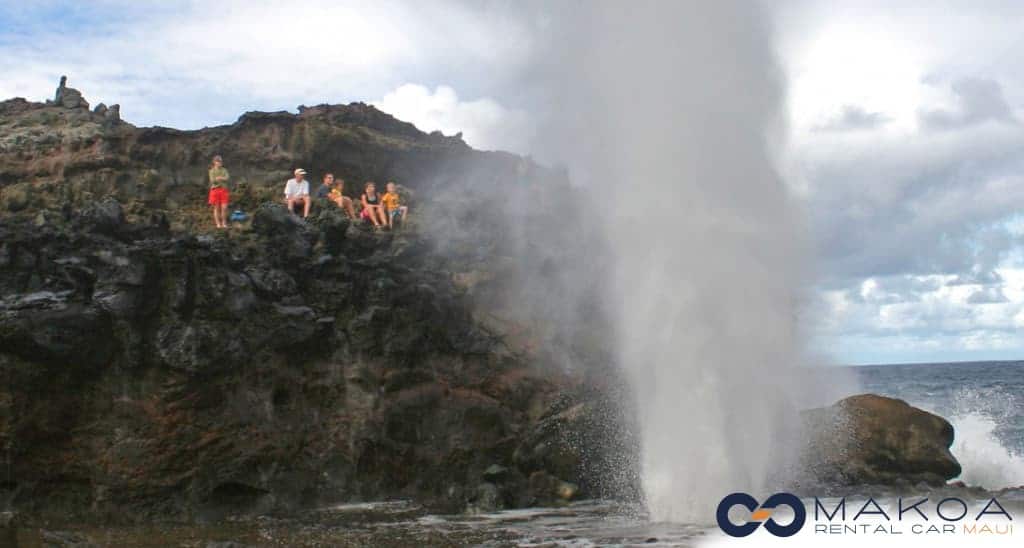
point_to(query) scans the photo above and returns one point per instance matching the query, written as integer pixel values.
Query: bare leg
(216, 215)
(347, 206)
(305, 207)
(224, 215)
(383, 216)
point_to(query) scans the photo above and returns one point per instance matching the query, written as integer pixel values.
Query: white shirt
(295, 189)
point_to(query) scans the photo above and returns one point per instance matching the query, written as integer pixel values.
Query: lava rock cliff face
(155, 368)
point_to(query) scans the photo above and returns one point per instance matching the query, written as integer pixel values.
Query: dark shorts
(218, 196)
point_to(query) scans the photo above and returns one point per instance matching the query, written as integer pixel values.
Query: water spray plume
(670, 112)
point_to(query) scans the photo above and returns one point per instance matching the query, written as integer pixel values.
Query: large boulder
(69, 97)
(334, 225)
(871, 439)
(272, 219)
(45, 327)
(292, 236)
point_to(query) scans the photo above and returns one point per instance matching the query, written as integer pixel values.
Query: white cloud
(918, 179)
(922, 318)
(190, 64)
(885, 56)
(483, 122)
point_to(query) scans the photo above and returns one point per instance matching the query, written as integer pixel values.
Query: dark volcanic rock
(65, 539)
(286, 232)
(43, 327)
(167, 376)
(585, 440)
(870, 439)
(156, 368)
(547, 489)
(105, 216)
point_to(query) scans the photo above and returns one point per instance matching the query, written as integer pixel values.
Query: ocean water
(983, 400)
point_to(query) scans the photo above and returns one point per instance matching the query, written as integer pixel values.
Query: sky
(903, 120)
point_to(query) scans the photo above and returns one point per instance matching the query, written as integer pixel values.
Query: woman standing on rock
(219, 195)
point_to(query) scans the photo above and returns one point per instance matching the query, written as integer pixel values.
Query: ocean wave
(980, 419)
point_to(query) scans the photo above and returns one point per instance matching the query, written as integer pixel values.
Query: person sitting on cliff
(330, 191)
(296, 191)
(393, 205)
(219, 196)
(372, 208)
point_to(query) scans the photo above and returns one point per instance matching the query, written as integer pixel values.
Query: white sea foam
(985, 461)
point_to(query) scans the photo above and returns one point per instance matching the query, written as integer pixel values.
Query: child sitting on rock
(331, 191)
(393, 204)
(372, 208)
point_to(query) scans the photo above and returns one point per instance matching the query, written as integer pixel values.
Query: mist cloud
(670, 113)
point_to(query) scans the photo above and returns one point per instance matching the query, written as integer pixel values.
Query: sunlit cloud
(484, 122)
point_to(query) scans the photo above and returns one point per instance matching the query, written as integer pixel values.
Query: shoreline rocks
(871, 439)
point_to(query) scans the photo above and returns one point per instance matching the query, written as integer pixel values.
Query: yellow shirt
(390, 200)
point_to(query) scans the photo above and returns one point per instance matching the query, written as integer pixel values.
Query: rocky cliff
(156, 368)
(62, 153)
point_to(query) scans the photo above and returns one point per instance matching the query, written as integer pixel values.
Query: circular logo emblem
(761, 513)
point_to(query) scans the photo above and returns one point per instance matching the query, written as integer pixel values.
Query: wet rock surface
(875, 440)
